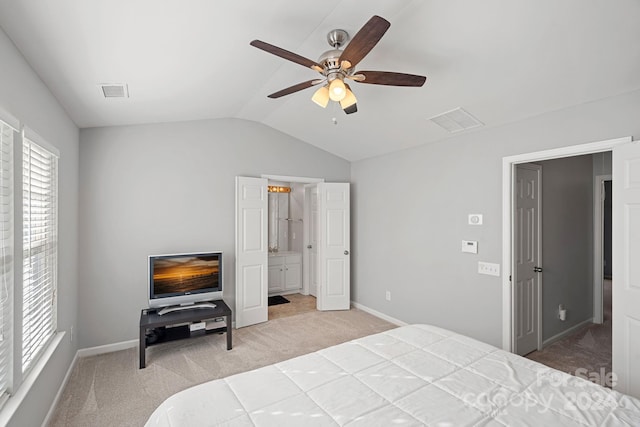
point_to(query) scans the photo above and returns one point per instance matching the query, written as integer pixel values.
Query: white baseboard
(56, 400)
(108, 348)
(378, 314)
(566, 332)
(16, 400)
(85, 352)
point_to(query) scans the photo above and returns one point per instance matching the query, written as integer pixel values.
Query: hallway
(586, 352)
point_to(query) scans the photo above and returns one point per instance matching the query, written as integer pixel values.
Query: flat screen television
(183, 281)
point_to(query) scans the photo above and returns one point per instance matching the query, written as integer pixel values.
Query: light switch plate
(470, 246)
(488, 268)
(475, 219)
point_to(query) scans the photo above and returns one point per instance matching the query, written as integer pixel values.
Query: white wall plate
(475, 219)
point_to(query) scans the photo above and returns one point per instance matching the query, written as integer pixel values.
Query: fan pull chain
(336, 109)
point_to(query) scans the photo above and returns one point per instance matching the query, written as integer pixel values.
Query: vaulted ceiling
(501, 60)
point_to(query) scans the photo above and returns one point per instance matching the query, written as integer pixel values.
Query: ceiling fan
(336, 65)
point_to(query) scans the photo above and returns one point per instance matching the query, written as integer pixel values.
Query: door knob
(346, 252)
(309, 246)
(537, 269)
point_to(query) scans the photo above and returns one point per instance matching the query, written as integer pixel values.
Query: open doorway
(252, 248)
(308, 258)
(589, 284)
(570, 339)
(288, 264)
(553, 240)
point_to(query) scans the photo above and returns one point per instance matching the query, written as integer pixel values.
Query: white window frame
(40, 249)
(19, 383)
(8, 134)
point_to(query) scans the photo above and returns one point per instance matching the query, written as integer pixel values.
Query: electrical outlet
(387, 295)
(488, 268)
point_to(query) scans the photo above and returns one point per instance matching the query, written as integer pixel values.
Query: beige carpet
(586, 352)
(110, 390)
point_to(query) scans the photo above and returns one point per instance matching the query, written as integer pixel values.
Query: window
(40, 249)
(6, 255)
(28, 313)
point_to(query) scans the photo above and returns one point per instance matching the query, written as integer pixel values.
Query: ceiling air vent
(115, 90)
(456, 120)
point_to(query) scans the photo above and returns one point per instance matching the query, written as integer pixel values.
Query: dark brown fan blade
(290, 56)
(391, 79)
(364, 40)
(351, 109)
(294, 88)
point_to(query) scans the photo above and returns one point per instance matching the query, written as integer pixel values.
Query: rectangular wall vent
(115, 90)
(456, 120)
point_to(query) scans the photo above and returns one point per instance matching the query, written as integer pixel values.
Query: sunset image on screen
(182, 274)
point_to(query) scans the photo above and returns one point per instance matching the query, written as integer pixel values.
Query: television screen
(184, 278)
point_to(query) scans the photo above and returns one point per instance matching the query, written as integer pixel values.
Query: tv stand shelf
(150, 319)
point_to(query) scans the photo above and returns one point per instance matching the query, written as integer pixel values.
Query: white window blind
(6, 255)
(40, 247)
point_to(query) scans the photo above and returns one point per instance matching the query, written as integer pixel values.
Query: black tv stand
(196, 305)
(151, 320)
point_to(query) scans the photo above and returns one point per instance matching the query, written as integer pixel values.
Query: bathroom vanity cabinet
(285, 272)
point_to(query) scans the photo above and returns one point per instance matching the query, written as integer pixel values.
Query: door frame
(598, 247)
(305, 237)
(306, 263)
(508, 176)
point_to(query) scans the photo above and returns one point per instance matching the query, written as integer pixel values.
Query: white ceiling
(501, 60)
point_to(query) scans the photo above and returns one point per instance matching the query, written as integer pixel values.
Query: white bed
(412, 375)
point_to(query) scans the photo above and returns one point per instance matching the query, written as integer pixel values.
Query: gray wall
(409, 215)
(602, 164)
(168, 188)
(24, 95)
(567, 242)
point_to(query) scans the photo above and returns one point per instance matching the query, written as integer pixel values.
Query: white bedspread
(412, 375)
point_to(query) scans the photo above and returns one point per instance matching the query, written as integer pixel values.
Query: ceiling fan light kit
(337, 89)
(349, 99)
(336, 65)
(321, 97)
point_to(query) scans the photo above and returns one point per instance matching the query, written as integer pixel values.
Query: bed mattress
(409, 376)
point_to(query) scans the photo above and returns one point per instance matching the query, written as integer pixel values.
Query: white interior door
(334, 292)
(626, 268)
(251, 251)
(527, 259)
(311, 236)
